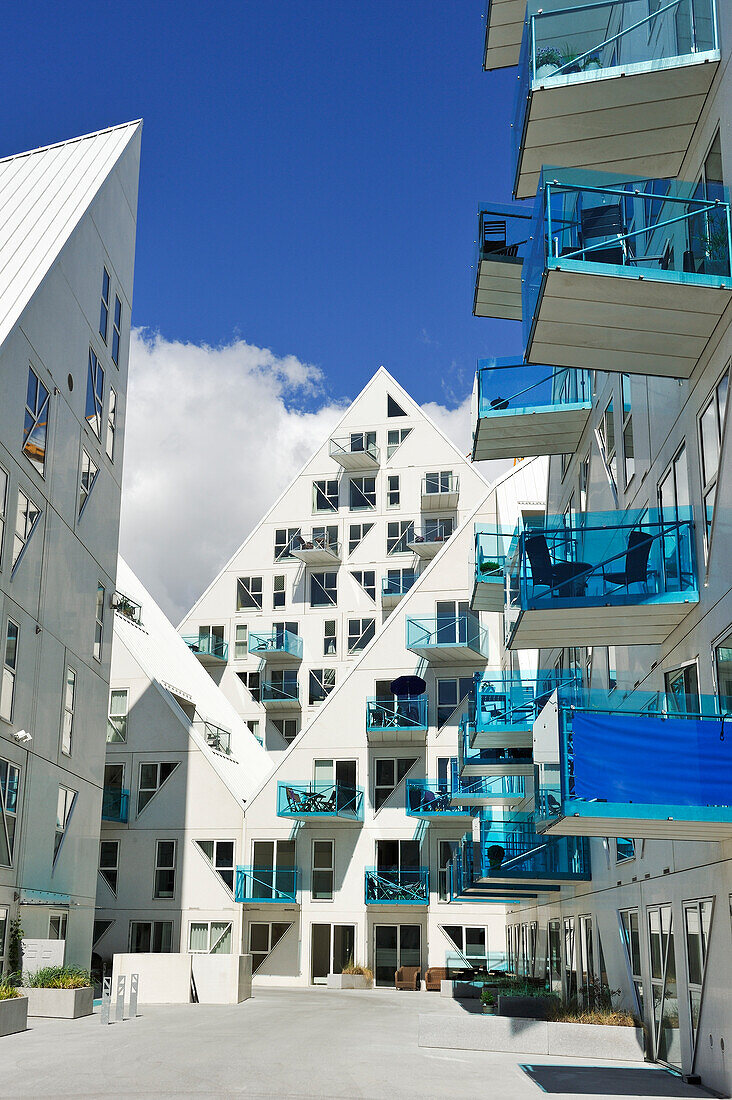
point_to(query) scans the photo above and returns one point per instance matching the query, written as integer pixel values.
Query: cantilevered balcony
(430, 800)
(211, 649)
(601, 578)
(448, 640)
(440, 492)
(503, 239)
(115, 804)
(464, 885)
(507, 704)
(396, 719)
(357, 451)
(319, 547)
(306, 801)
(407, 886)
(523, 411)
(280, 694)
(624, 274)
(277, 885)
(504, 23)
(278, 646)
(512, 791)
(427, 541)
(511, 852)
(492, 763)
(651, 765)
(393, 588)
(611, 85)
(492, 547)
(215, 737)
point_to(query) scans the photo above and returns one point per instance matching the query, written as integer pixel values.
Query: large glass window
(9, 788)
(151, 935)
(109, 863)
(249, 593)
(165, 853)
(152, 777)
(322, 682)
(711, 423)
(35, 425)
(723, 658)
(220, 854)
(394, 439)
(286, 539)
(67, 728)
(367, 579)
(325, 495)
(388, 774)
(117, 717)
(10, 668)
(399, 534)
(450, 692)
(323, 589)
(210, 937)
(94, 394)
(393, 491)
(263, 938)
(666, 1040)
(360, 633)
(323, 870)
(697, 928)
(361, 493)
(357, 532)
(624, 849)
(630, 931)
(87, 479)
(26, 519)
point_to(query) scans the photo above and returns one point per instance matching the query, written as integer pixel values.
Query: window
(664, 991)
(322, 886)
(278, 591)
(209, 937)
(584, 482)
(624, 849)
(628, 451)
(631, 941)
(723, 660)
(249, 593)
(361, 493)
(36, 422)
(330, 640)
(10, 667)
(67, 729)
(94, 394)
(165, 853)
(151, 935)
(682, 689)
(117, 717)
(367, 579)
(87, 479)
(241, 641)
(697, 926)
(252, 683)
(283, 685)
(286, 727)
(607, 435)
(64, 809)
(116, 331)
(449, 694)
(152, 777)
(286, 538)
(99, 623)
(393, 408)
(470, 942)
(357, 532)
(109, 863)
(104, 309)
(360, 633)
(99, 928)
(323, 589)
(26, 518)
(445, 856)
(220, 854)
(394, 439)
(57, 925)
(399, 533)
(263, 938)
(399, 581)
(3, 508)
(711, 423)
(438, 481)
(325, 495)
(111, 423)
(9, 785)
(392, 491)
(436, 530)
(322, 682)
(388, 774)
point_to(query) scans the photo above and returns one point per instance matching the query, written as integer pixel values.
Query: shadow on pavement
(609, 1080)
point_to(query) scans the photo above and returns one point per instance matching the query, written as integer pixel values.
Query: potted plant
(548, 60)
(353, 976)
(593, 61)
(13, 1009)
(495, 854)
(489, 567)
(488, 1001)
(62, 991)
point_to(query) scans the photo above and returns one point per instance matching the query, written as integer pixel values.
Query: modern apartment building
(618, 269)
(67, 248)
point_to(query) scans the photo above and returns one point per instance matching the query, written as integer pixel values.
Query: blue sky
(311, 170)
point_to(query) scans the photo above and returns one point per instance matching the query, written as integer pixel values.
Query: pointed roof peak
(72, 141)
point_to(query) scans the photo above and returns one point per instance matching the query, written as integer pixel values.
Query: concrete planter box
(523, 1008)
(515, 1035)
(596, 1041)
(13, 1015)
(459, 991)
(64, 1004)
(349, 981)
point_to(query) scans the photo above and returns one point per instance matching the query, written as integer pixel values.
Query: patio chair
(407, 977)
(294, 801)
(636, 562)
(433, 976)
(564, 578)
(603, 235)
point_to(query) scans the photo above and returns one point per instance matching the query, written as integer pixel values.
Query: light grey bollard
(106, 1000)
(134, 982)
(120, 1012)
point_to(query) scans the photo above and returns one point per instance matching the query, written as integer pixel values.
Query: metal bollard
(106, 1000)
(120, 1011)
(134, 982)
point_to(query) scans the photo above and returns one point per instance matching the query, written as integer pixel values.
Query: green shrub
(7, 991)
(58, 977)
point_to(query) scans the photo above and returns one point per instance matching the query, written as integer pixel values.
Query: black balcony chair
(563, 578)
(602, 235)
(636, 562)
(493, 241)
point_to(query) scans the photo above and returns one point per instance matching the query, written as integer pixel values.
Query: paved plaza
(294, 1043)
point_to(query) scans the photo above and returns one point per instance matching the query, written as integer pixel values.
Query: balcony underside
(498, 893)
(356, 460)
(600, 317)
(516, 802)
(566, 624)
(506, 737)
(389, 600)
(503, 35)
(319, 555)
(489, 595)
(489, 768)
(426, 550)
(498, 289)
(396, 736)
(276, 656)
(209, 660)
(440, 502)
(629, 119)
(455, 653)
(705, 823)
(521, 433)
(281, 704)
(543, 881)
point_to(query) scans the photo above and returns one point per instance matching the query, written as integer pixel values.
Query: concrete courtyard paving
(288, 1043)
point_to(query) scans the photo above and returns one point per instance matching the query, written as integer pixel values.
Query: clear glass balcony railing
(214, 736)
(426, 798)
(440, 492)
(276, 643)
(393, 588)
(493, 545)
(503, 237)
(207, 646)
(477, 760)
(465, 883)
(514, 850)
(486, 790)
(285, 694)
(509, 702)
(407, 886)
(317, 547)
(428, 540)
(357, 451)
(309, 800)
(115, 804)
(268, 884)
(449, 638)
(392, 715)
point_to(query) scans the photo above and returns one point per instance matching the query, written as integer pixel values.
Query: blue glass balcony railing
(503, 237)
(458, 633)
(384, 715)
(309, 800)
(510, 702)
(465, 883)
(514, 850)
(397, 586)
(276, 643)
(479, 760)
(280, 694)
(429, 799)
(396, 887)
(115, 804)
(485, 790)
(267, 884)
(207, 645)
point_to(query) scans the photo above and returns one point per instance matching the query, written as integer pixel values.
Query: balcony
(628, 578)
(357, 451)
(396, 720)
(492, 547)
(279, 645)
(503, 238)
(280, 696)
(524, 411)
(215, 737)
(276, 885)
(611, 86)
(624, 275)
(210, 649)
(649, 765)
(126, 606)
(115, 804)
(440, 492)
(511, 791)
(465, 886)
(448, 640)
(507, 705)
(494, 762)
(399, 887)
(394, 588)
(512, 852)
(427, 541)
(305, 801)
(504, 22)
(318, 548)
(430, 801)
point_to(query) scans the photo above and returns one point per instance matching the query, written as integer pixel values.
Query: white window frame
(27, 517)
(157, 764)
(116, 330)
(114, 867)
(241, 641)
(213, 863)
(356, 643)
(111, 423)
(34, 416)
(9, 671)
(173, 866)
(330, 869)
(393, 490)
(359, 576)
(67, 721)
(325, 495)
(253, 592)
(99, 623)
(117, 738)
(62, 916)
(228, 930)
(88, 474)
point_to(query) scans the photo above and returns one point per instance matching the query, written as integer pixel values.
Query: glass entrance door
(332, 948)
(395, 945)
(665, 1007)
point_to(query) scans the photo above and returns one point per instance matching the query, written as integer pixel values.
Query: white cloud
(457, 424)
